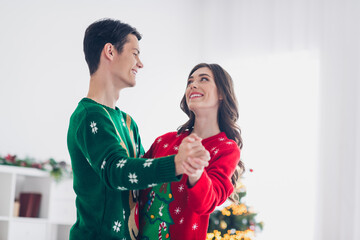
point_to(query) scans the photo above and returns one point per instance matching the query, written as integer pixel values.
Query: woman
(180, 210)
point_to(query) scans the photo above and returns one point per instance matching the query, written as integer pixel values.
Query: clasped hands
(192, 158)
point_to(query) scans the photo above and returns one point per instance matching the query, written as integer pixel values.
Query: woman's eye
(204, 79)
(189, 82)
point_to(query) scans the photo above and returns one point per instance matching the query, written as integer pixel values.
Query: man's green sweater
(105, 150)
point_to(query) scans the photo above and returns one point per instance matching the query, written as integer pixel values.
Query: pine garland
(58, 170)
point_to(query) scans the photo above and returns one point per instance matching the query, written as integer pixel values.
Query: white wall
(44, 74)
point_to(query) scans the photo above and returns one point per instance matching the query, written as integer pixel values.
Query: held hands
(192, 158)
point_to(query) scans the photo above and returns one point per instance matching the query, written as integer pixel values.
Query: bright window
(278, 102)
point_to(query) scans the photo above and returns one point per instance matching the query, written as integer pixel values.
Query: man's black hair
(105, 31)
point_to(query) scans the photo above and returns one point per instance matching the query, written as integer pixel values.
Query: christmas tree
(157, 213)
(236, 221)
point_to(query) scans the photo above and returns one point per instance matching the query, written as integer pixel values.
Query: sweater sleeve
(214, 185)
(106, 152)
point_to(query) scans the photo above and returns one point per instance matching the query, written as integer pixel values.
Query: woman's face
(201, 92)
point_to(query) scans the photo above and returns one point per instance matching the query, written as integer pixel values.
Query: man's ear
(109, 51)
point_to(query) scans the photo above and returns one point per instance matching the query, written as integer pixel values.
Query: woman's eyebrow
(200, 75)
(204, 74)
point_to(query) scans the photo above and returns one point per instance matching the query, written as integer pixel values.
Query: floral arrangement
(57, 170)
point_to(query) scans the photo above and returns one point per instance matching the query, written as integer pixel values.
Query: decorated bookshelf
(34, 204)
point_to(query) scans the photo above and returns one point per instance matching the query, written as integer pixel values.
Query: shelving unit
(57, 207)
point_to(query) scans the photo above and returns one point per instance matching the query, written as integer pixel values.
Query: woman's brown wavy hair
(228, 113)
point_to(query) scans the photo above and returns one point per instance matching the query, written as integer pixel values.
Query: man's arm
(105, 152)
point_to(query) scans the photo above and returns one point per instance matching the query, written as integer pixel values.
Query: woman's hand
(192, 156)
(193, 176)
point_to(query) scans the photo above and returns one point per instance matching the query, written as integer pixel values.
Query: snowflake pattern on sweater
(189, 208)
(105, 150)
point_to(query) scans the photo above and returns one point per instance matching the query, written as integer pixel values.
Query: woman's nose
(193, 85)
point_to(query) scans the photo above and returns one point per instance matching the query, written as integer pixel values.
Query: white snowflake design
(166, 145)
(117, 226)
(195, 226)
(177, 210)
(213, 149)
(93, 127)
(159, 140)
(181, 188)
(133, 178)
(124, 214)
(221, 139)
(103, 164)
(176, 148)
(123, 122)
(152, 185)
(148, 162)
(229, 143)
(121, 188)
(181, 221)
(121, 163)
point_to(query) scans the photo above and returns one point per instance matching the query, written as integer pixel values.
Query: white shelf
(57, 211)
(2, 218)
(23, 171)
(29, 219)
(57, 222)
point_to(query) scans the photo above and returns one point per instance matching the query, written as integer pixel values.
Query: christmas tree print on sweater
(157, 214)
(189, 207)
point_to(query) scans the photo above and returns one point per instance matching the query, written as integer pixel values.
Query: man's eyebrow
(137, 50)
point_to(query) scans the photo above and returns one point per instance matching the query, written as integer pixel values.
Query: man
(104, 142)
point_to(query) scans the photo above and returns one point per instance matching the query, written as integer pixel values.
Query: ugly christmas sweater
(177, 211)
(105, 146)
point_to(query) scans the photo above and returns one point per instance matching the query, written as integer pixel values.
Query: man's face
(126, 64)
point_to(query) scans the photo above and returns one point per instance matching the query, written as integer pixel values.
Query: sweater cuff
(166, 169)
